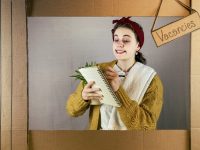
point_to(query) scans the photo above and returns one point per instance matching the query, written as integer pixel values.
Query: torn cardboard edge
(175, 29)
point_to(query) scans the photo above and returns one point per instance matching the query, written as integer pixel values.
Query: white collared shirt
(110, 118)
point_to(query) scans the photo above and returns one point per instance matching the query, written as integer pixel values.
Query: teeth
(120, 51)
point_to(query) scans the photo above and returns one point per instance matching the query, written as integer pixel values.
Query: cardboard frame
(14, 86)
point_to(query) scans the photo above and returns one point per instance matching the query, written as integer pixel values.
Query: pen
(121, 75)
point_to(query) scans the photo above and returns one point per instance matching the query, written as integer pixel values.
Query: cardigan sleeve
(145, 115)
(75, 105)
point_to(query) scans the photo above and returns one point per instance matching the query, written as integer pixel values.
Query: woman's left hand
(113, 78)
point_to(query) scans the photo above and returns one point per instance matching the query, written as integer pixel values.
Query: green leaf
(77, 72)
(78, 75)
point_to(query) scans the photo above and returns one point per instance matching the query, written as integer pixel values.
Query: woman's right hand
(91, 93)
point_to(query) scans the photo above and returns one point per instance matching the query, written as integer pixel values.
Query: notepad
(95, 74)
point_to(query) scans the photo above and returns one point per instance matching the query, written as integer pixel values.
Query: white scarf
(135, 84)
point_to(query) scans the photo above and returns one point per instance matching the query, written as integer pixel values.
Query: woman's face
(125, 44)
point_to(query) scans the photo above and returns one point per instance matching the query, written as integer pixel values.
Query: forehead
(121, 31)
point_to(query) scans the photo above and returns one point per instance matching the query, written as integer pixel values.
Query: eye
(116, 40)
(126, 41)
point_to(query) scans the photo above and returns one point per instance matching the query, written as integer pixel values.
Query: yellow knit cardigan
(141, 117)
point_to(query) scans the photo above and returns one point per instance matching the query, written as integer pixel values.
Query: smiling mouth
(120, 51)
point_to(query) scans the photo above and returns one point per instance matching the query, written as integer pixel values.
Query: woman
(136, 85)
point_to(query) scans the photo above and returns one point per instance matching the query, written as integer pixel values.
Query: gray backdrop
(58, 45)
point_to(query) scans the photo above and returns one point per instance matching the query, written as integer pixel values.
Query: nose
(120, 43)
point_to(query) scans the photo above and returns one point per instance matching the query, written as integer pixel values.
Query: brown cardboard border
(14, 80)
(105, 8)
(109, 140)
(6, 75)
(194, 83)
(14, 75)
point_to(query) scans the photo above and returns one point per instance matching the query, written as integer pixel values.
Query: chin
(120, 58)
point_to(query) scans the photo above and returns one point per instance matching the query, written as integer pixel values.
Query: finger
(109, 72)
(110, 77)
(92, 90)
(95, 98)
(94, 95)
(87, 96)
(90, 84)
(111, 69)
(114, 74)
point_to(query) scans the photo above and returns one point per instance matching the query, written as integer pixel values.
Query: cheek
(133, 47)
(131, 50)
(113, 46)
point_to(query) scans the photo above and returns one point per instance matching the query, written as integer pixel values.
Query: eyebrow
(123, 35)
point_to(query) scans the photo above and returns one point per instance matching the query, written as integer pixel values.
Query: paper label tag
(176, 29)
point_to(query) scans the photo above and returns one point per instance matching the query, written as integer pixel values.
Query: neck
(125, 65)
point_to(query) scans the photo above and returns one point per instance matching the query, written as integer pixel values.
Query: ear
(138, 47)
